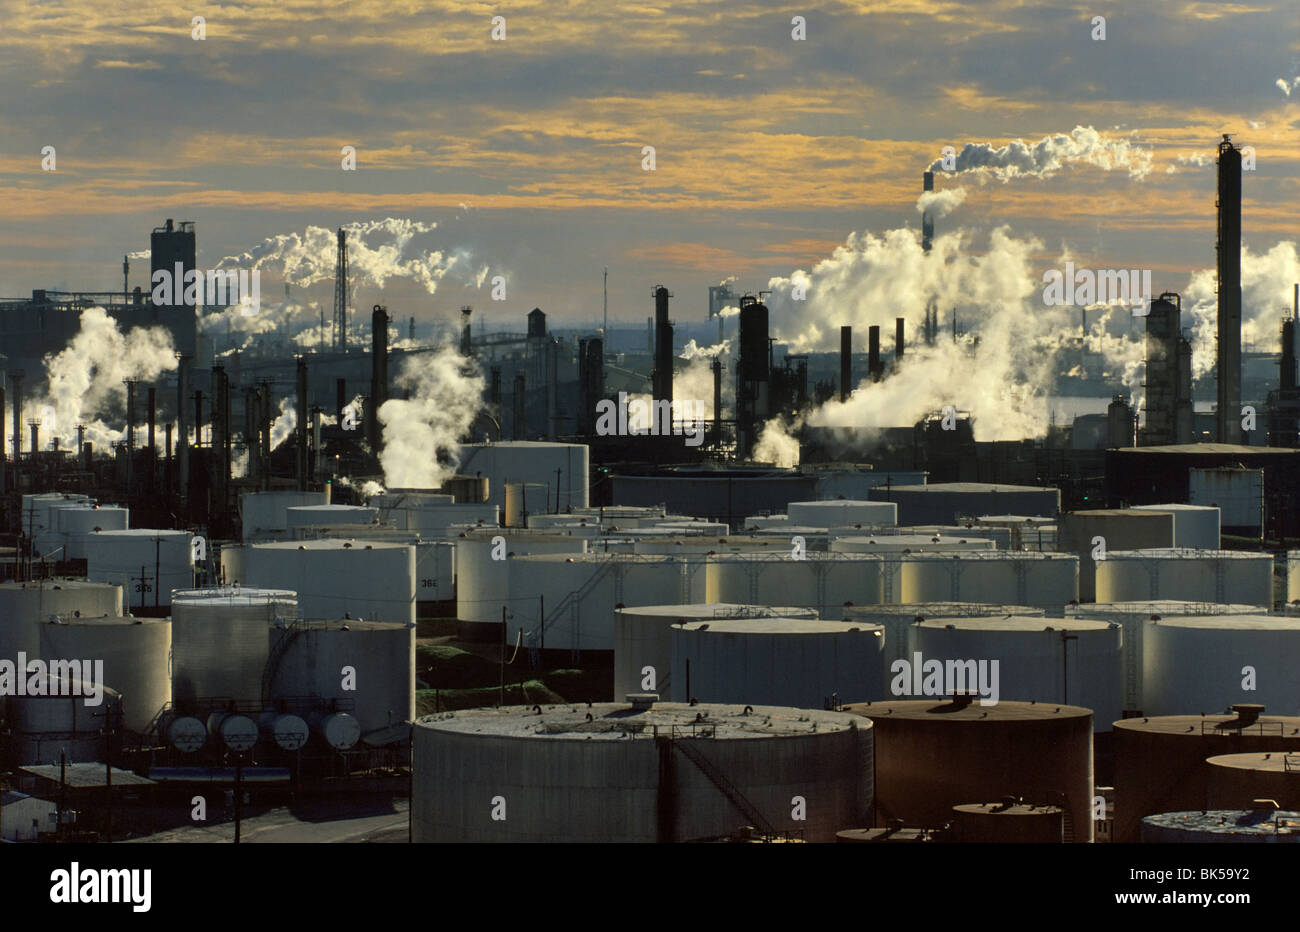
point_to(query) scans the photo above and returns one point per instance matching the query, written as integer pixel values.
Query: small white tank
(1189, 575)
(641, 639)
(287, 731)
(186, 733)
(163, 557)
(264, 514)
(339, 730)
(24, 605)
(374, 580)
(1025, 578)
(60, 721)
(75, 524)
(483, 581)
(1196, 527)
(820, 581)
(838, 512)
(797, 663)
(908, 543)
(219, 640)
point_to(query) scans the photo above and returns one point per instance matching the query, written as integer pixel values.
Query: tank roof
(230, 594)
(1166, 607)
(718, 610)
(1185, 553)
(329, 543)
(944, 609)
(613, 721)
(1000, 809)
(1230, 821)
(1016, 623)
(144, 532)
(968, 487)
(1233, 622)
(349, 624)
(1261, 761)
(932, 710)
(104, 621)
(58, 583)
(778, 626)
(1287, 726)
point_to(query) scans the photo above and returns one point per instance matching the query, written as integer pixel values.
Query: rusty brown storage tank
(1237, 780)
(934, 755)
(1008, 821)
(1224, 826)
(1160, 762)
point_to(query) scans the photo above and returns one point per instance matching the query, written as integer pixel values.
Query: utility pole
(143, 587)
(605, 304)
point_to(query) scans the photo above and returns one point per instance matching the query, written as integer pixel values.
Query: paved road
(280, 826)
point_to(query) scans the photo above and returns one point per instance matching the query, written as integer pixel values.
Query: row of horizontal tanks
(228, 664)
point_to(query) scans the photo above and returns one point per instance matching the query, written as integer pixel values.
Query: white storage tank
(821, 581)
(368, 663)
(435, 571)
(899, 620)
(837, 513)
(24, 605)
(75, 524)
(1188, 575)
(1198, 664)
(163, 557)
(61, 722)
(437, 520)
(264, 514)
(797, 662)
(231, 562)
(1132, 617)
(136, 653)
(1001, 536)
(1195, 526)
(374, 580)
(307, 516)
(1025, 578)
(483, 583)
(908, 543)
(219, 640)
(1075, 662)
(582, 590)
(766, 521)
(641, 639)
(1237, 493)
(578, 773)
(531, 462)
(724, 544)
(1293, 576)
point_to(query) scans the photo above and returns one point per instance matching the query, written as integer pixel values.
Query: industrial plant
(799, 588)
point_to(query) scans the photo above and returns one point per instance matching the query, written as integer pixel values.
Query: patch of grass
(582, 685)
(534, 692)
(447, 667)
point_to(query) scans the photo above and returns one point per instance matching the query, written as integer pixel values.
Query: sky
(527, 152)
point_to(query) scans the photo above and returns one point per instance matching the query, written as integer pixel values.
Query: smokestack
(753, 373)
(126, 277)
(1229, 255)
(551, 361)
(167, 469)
(466, 342)
(340, 399)
(3, 415)
(17, 378)
(379, 370)
(591, 382)
(220, 459)
(846, 362)
(898, 341)
(717, 401)
(873, 353)
(927, 218)
(198, 418)
(35, 425)
(151, 413)
(265, 399)
(494, 389)
(521, 386)
(251, 433)
(182, 430)
(663, 372)
(87, 454)
(130, 433)
(302, 424)
(1288, 374)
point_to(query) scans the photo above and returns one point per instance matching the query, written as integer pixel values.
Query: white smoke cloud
(941, 203)
(1286, 87)
(84, 379)
(284, 424)
(776, 446)
(420, 434)
(1050, 154)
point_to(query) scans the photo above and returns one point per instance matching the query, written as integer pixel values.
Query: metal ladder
(724, 785)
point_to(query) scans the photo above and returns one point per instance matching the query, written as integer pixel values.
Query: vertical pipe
(378, 373)
(17, 379)
(302, 424)
(873, 353)
(151, 403)
(130, 434)
(899, 324)
(340, 398)
(663, 372)
(521, 386)
(846, 362)
(717, 401)
(3, 415)
(1228, 246)
(182, 430)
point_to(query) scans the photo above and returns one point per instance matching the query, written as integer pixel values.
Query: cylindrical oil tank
(1206, 663)
(706, 544)
(231, 559)
(1160, 761)
(796, 662)
(435, 571)
(136, 653)
(820, 581)
(369, 663)
(908, 543)
(641, 639)
(24, 605)
(618, 773)
(581, 591)
(931, 756)
(899, 620)
(1237, 780)
(309, 516)
(37, 508)
(75, 524)
(1008, 822)
(689, 527)
(164, 558)
(373, 580)
(1001, 536)
(1224, 826)
(1037, 659)
(437, 520)
(1132, 617)
(219, 640)
(482, 567)
(1293, 576)
(548, 464)
(1189, 575)
(66, 719)
(339, 730)
(186, 733)
(1040, 579)
(522, 500)
(285, 730)
(838, 513)
(232, 731)
(1195, 526)
(263, 514)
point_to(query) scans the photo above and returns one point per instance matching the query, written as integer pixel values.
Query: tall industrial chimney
(379, 372)
(898, 340)
(662, 387)
(182, 429)
(151, 413)
(302, 424)
(846, 362)
(873, 353)
(130, 433)
(1228, 416)
(466, 341)
(927, 218)
(520, 427)
(753, 389)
